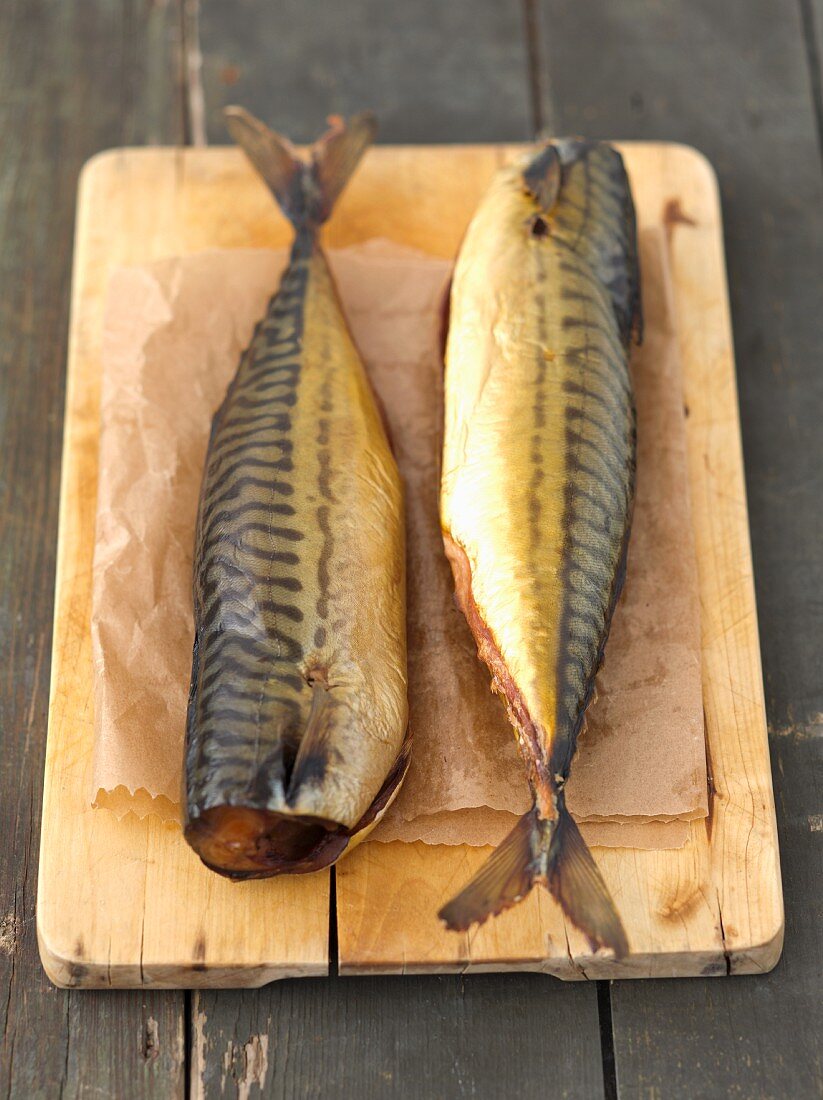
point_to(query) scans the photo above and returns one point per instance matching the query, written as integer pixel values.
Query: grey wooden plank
(732, 79)
(811, 15)
(72, 81)
(481, 1036)
(124, 1044)
(432, 71)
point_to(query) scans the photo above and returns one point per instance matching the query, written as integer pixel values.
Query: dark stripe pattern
(248, 702)
(598, 299)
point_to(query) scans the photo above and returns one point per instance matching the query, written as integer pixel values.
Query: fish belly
(538, 470)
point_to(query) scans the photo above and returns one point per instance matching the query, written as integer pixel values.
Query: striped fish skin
(539, 457)
(298, 711)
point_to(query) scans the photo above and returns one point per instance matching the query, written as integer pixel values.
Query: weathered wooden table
(739, 79)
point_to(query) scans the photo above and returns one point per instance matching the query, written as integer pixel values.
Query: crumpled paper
(174, 331)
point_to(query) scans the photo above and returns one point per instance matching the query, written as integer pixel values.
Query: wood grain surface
(433, 71)
(735, 80)
(715, 906)
(72, 81)
(373, 1038)
(741, 80)
(145, 911)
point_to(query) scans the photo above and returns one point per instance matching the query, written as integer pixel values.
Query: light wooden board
(126, 903)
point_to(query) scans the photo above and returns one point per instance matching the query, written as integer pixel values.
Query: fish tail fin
(504, 879)
(305, 190)
(552, 852)
(575, 882)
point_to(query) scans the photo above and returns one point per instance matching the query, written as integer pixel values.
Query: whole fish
(538, 483)
(297, 719)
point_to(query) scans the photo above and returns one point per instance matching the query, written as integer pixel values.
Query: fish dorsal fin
(543, 176)
(305, 190)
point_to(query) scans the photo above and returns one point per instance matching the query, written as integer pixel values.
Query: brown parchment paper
(173, 333)
(483, 825)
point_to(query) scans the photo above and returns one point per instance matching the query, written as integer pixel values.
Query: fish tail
(305, 189)
(575, 882)
(552, 852)
(504, 879)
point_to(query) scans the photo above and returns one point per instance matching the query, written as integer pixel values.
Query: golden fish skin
(298, 711)
(538, 482)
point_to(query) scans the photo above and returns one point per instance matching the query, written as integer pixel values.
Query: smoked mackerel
(297, 720)
(538, 483)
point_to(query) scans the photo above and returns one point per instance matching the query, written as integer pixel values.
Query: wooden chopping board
(126, 903)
